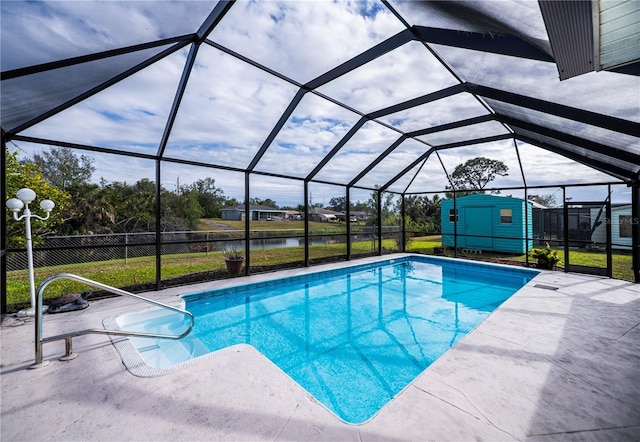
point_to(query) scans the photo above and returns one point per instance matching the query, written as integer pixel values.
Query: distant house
(487, 222)
(325, 215)
(586, 225)
(621, 227)
(359, 215)
(256, 213)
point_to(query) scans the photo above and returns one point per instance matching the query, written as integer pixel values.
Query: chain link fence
(78, 249)
(64, 250)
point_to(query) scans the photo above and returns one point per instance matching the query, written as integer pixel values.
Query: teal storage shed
(488, 222)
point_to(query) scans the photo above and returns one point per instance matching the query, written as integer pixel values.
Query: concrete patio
(560, 360)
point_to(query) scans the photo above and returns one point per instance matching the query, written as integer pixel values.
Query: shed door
(479, 227)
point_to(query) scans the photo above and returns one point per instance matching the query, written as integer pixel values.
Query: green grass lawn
(314, 227)
(138, 271)
(621, 261)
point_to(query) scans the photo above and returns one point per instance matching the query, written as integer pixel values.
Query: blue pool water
(354, 337)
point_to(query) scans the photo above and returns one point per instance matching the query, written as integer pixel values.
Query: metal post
(635, 231)
(26, 197)
(565, 222)
(247, 220)
(526, 225)
(38, 336)
(32, 287)
(306, 223)
(608, 216)
(158, 228)
(403, 234)
(379, 209)
(348, 215)
(3, 230)
(455, 226)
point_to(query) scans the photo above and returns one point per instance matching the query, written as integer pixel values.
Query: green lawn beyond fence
(138, 274)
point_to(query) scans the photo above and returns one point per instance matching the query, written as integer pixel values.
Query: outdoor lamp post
(25, 197)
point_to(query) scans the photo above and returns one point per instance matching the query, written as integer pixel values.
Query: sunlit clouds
(229, 107)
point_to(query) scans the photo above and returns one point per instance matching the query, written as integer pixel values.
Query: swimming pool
(352, 337)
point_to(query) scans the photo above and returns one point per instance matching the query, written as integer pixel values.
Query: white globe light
(26, 195)
(14, 204)
(47, 205)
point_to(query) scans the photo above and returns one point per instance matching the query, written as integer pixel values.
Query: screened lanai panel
(40, 32)
(407, 72)
(403, 182)
(191, 238)
(27, 97)
(615, 166)
(270, 198)
(327, 219)
(313, 129)
(401, 157)
(281, 192)
(466, 133)
(108, 167)
(565, 125)
(587, 194)
(304, 39)
(446, 110)
(603, 92)
(193, 200)
(215, 187)
(227, 111)
(327, 196)
(522, 19)
(545, 168)
(370, 141)
(430, 178)
(503, 151)
(130, 116)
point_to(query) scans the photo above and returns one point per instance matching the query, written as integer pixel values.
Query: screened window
(505, 216)
(453, 216)
(625, 226)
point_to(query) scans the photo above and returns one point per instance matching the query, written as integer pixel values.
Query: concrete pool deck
(559, 360)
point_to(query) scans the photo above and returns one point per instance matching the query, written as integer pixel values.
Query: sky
(229, 107)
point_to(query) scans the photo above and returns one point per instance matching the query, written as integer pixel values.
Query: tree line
(84, 207)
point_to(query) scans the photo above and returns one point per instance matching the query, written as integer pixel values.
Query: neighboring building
(359, 215)
(621, 227)
(488, 222)
(325, 215)
(586, 226)
(256, 213)
(293, 215)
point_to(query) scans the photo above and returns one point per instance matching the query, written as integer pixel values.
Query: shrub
(232, 254)
(547, 258)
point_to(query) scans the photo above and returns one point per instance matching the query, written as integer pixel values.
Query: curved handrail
(67, 336)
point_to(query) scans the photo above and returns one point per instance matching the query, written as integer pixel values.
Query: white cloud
(542, 167)
(302, 39)
(230, 107)
(405, 73)
(481, 130)
(405, 154)
(363, 148)
(442, 111)
(602, 92)
(315, 127)
(39, 32)
(228, 110)
(131, 114)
